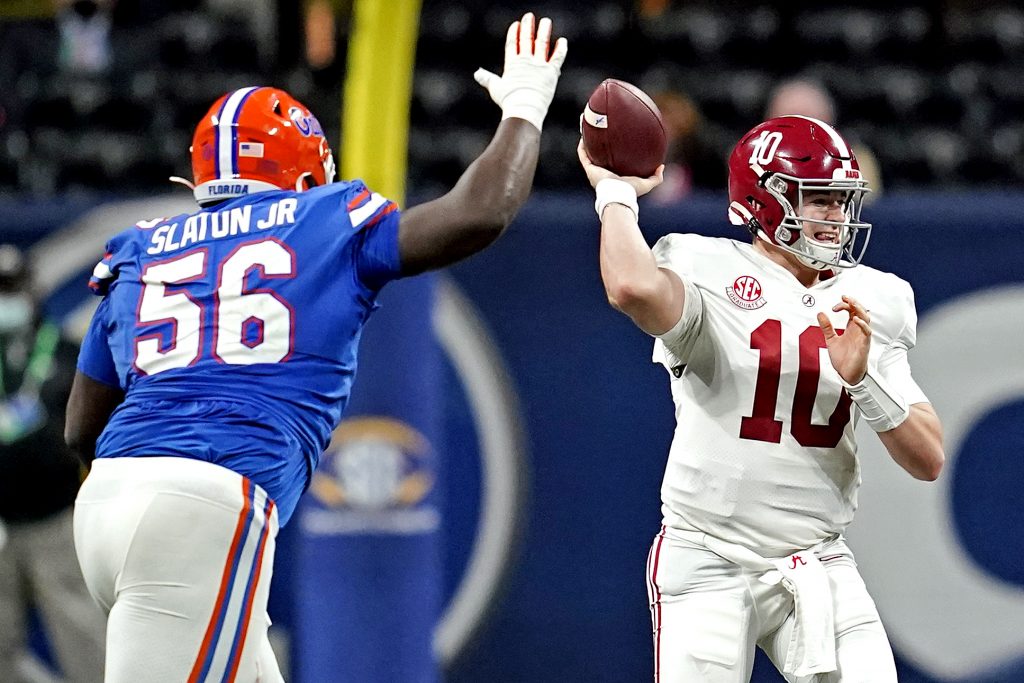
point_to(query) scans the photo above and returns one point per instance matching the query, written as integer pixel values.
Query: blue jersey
(233, 331)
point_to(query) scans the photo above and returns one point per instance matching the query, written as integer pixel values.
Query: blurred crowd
(40, 580)
(101, 94)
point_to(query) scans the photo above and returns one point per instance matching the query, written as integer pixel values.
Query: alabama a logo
(745, 292)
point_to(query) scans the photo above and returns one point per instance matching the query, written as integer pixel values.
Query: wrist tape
(525, 104)
(615, 191)
(883, 409)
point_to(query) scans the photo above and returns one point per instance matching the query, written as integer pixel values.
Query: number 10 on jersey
(761, 424)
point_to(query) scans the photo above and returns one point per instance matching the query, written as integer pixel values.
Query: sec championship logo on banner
(374, 476)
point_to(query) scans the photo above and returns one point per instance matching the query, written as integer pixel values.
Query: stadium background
(933, 89)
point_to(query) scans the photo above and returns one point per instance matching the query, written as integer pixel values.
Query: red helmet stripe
(227, 133)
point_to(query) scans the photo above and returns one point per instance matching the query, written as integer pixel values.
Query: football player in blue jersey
(222, 354)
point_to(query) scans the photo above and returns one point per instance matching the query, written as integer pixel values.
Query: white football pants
(709, 613)
(180, 553)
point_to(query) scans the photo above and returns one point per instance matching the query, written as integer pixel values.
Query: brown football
(622, 129)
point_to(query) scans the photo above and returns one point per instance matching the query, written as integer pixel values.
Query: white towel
(812, 647)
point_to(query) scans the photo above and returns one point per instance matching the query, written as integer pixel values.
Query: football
(622, 130)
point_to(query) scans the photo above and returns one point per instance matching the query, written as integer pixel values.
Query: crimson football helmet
(774, 165)
(256, 139)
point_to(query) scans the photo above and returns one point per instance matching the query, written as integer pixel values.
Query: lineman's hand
(527, 85)
(596, 174)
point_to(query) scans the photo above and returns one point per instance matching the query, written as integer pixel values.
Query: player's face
(823, 206)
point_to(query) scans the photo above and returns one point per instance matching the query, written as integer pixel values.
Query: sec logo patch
(745, 292)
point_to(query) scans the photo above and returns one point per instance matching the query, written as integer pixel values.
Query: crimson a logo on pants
(746, 293)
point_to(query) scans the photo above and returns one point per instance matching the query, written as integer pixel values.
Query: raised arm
(494, 187)
(651, 296)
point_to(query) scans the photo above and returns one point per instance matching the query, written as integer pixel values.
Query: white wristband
(615, 191)
(883, 409)
(526, 107)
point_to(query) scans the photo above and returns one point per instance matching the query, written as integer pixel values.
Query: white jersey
(763, 453)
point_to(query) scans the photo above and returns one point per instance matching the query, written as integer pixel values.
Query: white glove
(527, 85)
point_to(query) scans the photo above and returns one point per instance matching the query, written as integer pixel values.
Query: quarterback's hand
(849, 351)
(596, 174)
(527, 85)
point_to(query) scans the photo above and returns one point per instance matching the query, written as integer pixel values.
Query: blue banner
(366, 568)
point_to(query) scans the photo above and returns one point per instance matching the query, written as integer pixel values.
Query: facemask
(15, 312)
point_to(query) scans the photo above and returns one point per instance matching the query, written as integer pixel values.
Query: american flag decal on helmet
(250, 149)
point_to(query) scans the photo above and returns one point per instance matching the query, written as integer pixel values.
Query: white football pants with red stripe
(179, 553)
(709, 614)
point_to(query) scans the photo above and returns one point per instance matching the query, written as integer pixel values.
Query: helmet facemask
(307, 180)
(854, 233)
(327, 158)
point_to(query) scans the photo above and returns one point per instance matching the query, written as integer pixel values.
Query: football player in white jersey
(775, 347)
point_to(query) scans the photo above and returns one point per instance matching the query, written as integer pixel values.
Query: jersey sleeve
(894, 363)
(376, 219)
(94, 357)
(105, 272)
(672, 348)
